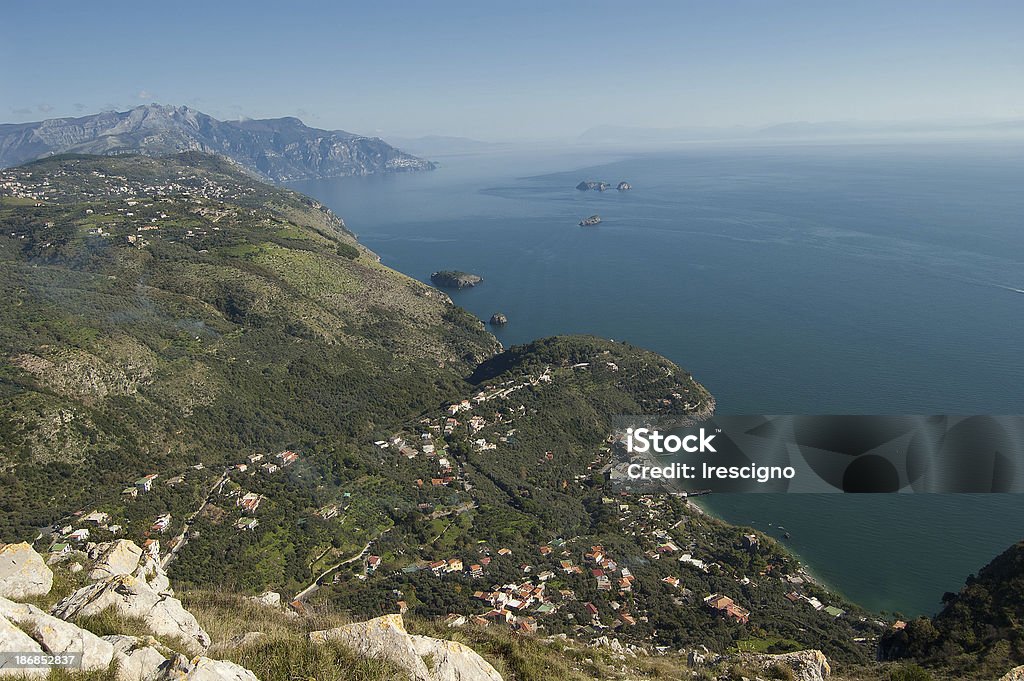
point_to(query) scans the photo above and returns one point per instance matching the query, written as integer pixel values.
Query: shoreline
(805, 568)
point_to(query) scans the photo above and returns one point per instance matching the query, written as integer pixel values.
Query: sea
(861, 278)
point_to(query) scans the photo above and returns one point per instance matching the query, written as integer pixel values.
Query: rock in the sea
(807, 665)
(120, 557)
(498, 319)
(591, 221)
(23, 572)
(14, 639)
(138, 659)
(422, 657)
(271, 599)
(455, 279)
(133, 597)
(57, 636)
(624, 186)
(588, 185)
(180, 668)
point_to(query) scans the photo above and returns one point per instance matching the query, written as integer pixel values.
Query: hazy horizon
(525, 72)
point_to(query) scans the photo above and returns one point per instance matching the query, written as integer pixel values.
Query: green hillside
(193, 357)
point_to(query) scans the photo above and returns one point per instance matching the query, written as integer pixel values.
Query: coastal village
(574, 582)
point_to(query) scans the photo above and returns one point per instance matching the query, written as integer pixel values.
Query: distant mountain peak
(279, 149)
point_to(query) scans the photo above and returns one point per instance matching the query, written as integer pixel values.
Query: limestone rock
(23, 572)
(807, 665)
(14, 639)
(239, 641)
(1015, 674)
(133, 597)
(181, 668)
(57, 636)
(271, 599)
(154, 576)
(453, 661)
(498, 319)
(138, 659)
(120, 557)
(385, 637)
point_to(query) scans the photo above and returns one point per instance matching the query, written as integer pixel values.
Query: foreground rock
(455, 279)
(498, 319)
(423, 657)
(119, 557)
(23, 572)
(57, 636)
(14, 639)
(180, 668)
(138, 659)
(807, 665)
(133, 597)
(1015, 674)
(270, 599)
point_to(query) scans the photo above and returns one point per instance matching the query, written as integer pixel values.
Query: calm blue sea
(816, 279)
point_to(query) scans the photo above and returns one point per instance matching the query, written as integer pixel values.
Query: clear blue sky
(519, 69)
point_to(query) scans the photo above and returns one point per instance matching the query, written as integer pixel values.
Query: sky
(520, 70)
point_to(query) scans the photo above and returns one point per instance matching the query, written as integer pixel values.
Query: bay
(806, 279)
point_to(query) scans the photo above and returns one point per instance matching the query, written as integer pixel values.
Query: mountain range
(276, 149)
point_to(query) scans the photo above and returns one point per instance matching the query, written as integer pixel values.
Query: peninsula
(455, 279)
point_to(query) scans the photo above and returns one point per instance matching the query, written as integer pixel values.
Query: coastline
(805, 568)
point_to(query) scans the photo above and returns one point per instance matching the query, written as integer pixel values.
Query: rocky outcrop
(591, 221)
(138, 659)
(422, 657)
(154, 576)
(14, 639)
(57, 636)
(145, 659)
(1015, 674)
(498, 319)
(180, 668)
(455, 279)
(591, 185)
(271, 599)
(624, 186)
(807, 665)
(119, 557)
(23, 572)
(133, 597)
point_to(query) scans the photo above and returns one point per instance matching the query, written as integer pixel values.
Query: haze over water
(841, 279)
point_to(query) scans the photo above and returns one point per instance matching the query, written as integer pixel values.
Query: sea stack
(498, 319)
(455, 279)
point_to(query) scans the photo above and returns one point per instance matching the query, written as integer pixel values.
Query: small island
(498, 319)
(588, 185)
(624, 186)
(455, 279)
(591, 221)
